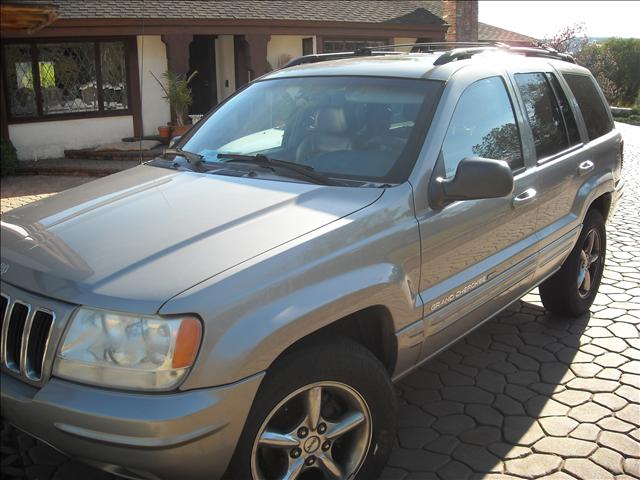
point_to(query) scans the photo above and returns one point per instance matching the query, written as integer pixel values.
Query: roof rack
(452, 51)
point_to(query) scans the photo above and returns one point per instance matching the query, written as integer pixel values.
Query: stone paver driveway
(527, 395)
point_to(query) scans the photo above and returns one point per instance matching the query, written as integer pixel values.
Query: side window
(567, 113)
(483, 125)
(594, 111)
(545, 117)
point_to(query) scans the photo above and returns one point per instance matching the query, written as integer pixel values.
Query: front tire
(572, 289)
(324, 411)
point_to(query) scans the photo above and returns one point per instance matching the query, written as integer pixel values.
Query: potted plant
(178, 94)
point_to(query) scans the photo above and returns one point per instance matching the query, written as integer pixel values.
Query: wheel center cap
(311, 444)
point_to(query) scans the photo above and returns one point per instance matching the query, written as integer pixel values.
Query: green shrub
(8, 158)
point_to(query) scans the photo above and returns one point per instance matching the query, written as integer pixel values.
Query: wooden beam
(27, 17)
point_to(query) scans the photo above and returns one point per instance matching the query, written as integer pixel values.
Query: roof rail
(453, 51)
(464, 53)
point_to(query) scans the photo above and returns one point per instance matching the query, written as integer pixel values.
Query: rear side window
(483, 125)
(567, 113)
(543, 112)
(594, 111)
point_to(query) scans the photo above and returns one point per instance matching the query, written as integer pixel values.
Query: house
(80, 74)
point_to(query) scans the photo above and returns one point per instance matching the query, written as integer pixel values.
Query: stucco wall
(152, 57)
(49, 139)
(225, 66)
(285, 45)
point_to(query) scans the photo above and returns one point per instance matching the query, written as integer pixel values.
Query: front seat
(330, 135)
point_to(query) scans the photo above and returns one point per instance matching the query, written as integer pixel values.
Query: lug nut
(303, 432)
(322, 428)
(295, 453)
(310, 461)
(326, 445)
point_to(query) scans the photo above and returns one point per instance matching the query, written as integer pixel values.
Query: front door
(202, 58)
(478, 255)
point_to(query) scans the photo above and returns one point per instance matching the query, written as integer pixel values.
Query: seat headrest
(331, 120)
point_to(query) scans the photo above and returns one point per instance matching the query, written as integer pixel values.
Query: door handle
(585, 167)
(526, 197)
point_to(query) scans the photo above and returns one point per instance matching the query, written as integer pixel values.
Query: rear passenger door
(563, 162)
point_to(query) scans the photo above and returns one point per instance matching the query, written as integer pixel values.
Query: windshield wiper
(264, 161)
(193, 158)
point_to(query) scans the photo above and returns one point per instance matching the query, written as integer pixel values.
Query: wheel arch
(372, 327)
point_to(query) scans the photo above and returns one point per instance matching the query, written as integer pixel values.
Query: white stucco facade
(225, 66)
(152, 57)
(49, 139)
(282, 48)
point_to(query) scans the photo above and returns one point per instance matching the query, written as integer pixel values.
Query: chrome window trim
(5, 322)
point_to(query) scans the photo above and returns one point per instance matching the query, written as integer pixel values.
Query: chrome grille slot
(13, 339)
(28, 333)
(37, 342)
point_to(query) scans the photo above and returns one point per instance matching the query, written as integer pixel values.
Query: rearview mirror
(475, 178)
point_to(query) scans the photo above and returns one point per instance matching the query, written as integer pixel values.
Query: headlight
(128, 351)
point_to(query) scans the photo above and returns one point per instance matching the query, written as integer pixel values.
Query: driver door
(478, 255)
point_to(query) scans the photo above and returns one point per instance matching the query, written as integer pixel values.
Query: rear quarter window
(594, 110)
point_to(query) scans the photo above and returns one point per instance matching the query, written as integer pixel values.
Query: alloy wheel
(320, 431)
(590, 259)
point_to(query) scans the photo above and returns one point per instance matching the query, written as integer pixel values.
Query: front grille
(25, 336)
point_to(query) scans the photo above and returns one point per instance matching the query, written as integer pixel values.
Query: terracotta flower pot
(164, 131)
(178, 130)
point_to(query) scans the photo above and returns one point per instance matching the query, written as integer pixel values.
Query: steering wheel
(384, 143)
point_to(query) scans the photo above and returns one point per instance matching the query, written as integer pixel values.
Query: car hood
(133, 240)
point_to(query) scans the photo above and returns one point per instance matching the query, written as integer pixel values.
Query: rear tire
(339, 368)
(572, 289)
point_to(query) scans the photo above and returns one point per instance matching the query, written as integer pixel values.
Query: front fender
(257, 310)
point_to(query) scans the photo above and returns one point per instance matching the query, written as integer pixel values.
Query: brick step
(90, 154)
(75, 167)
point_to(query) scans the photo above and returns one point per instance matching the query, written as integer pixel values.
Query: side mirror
(475, 178)
(174, 140)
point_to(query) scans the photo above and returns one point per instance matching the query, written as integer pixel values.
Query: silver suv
(244, 304)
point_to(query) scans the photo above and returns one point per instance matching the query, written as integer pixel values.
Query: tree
(599, 60)
(626, 75)
(569, 39)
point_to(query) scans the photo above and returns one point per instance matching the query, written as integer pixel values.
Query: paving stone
(613, 344)
(565, 447)
(630, 394)
(444, 444)
(573, 398)
(522, 430)
(484, 415)
(610, 400)
(620, 443)
(390, 473)
(558, 426)
(412, 416)
(588, 412)
(593, 385)
(623, 330)
(632, 467)
(533, 466)
(453, 378)
(615, 425)
(443, 408)
(609, 374)
(480, 459)
(584, 468)
(455, 471)
(542, 406)
(467, 395)
(586, 370)
(519, 393)
(508, 406)
(608, 459)
(491, 381)
(507, 451)
(482, 435)
(611, 360)
(454, 424)
(416, 437)
(416, 460)
(630, 413)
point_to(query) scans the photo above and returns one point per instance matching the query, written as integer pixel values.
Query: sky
(540, 19)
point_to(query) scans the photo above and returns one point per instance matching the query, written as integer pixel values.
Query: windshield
(361, 128)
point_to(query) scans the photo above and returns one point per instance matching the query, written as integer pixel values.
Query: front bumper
(181, 435)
